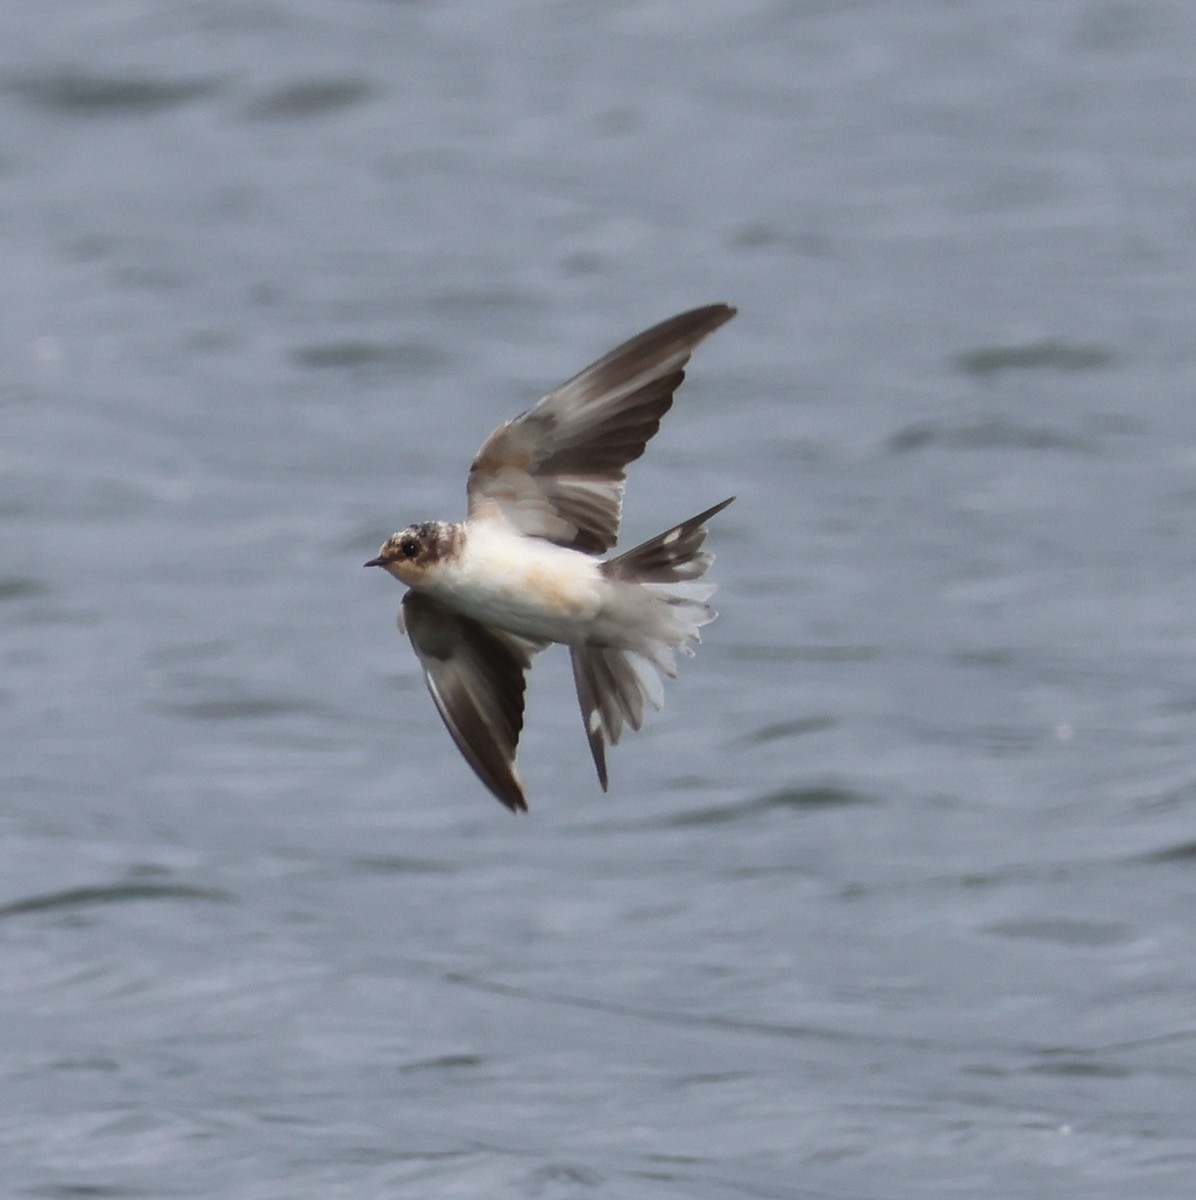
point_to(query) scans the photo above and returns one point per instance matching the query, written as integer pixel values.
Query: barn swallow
(545, 496)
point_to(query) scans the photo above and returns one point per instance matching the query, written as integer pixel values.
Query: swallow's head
(408, 554)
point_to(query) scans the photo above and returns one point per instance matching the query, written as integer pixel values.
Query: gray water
(895, 897)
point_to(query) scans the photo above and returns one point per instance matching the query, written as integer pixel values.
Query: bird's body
(524, 585)
(522, 571)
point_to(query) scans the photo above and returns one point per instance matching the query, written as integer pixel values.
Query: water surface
(894, 899)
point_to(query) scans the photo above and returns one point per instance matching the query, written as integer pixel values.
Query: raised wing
(476, 677)
(558, 470)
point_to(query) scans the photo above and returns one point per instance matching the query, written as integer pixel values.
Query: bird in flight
(545, 494)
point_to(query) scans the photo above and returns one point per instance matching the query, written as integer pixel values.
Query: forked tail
(613, 683)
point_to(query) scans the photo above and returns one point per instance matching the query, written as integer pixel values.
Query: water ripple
(1049, 354)
(89, 896)
(791, 799)
(80, 94)
(309, 98)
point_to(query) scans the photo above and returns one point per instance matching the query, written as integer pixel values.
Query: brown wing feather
(558, 470)
(476, 676)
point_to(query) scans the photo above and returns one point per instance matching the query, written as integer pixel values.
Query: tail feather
(613, 683)
(670, 556)
(611, 692)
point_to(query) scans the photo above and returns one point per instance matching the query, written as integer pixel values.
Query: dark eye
(409, 547)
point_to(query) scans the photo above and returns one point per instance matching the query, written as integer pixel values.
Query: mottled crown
(420, 545)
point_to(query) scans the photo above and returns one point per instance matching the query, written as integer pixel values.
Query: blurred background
(895, 897)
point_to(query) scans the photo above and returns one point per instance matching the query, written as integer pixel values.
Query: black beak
(375, 562)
